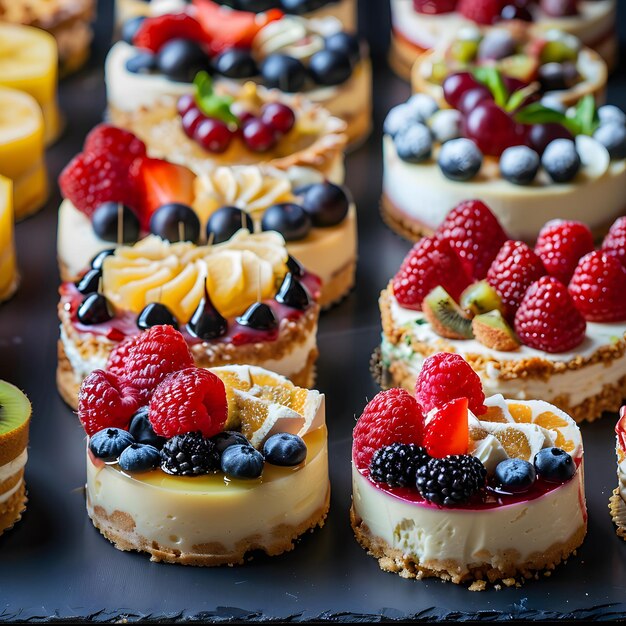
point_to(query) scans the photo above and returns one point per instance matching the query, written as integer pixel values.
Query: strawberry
(481, 11)
(475, 234)
(158, 30)
(598, 287)
(431, 262)
(434, 7)
(547, 318)
(615, 240)
(392, 416)
(560, 245)
(114, 142)
(513, 270)
(447, 432)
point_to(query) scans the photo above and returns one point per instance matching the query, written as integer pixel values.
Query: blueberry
(130, 28)
(612, 136)
(287, 218)
(139, 457)
(141, 429)
(235, 63)
(460, 159)
(175, 222)
(207, 322)
(611, 113)
(330, 67)
(346, 43)
(446, 125)
(399, 117)
(181, 59)
(284, 449)
(294, 266)
(300, 7)
(496, 44)
(423, 106)
(515, 475)
(242, 461)
(109, 443)
(557, 76)
(283, 72)
(94, 309)
(98, 260)
(560, 159)
(413, 143)
(554, 465)
(156, 314)
(293, 293)
(326, 203)
(141, 63)
(90, 282)
(105, 222)
(225, 222)
(229, 438)
(259, 316)
(519, 165)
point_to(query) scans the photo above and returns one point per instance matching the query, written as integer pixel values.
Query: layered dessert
(15, 413)
(160, 55)
(617, 502)
(9, 275)
(450, 484)
(420, 25)
(316, 218)
(530, 161)
(178, 456)
(546, 323)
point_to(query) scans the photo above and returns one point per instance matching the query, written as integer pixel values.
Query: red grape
(259, 136)
(185, 103)
(540, 135)
(492, 129)
(213, 135)
(473, 97)
(279, 116)
(455, 85)
(191, 119)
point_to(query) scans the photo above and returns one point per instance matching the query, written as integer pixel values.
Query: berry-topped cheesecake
(160, 55)
(420, 25)
(178, 457)
(547, 323)
(552, 63)
(114, 194)
(450, 484)
(617, 502)
(528, 160)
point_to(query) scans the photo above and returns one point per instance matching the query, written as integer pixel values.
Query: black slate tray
(55, 566)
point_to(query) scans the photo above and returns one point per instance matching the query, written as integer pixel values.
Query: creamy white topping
(14, 466)
(82, 366)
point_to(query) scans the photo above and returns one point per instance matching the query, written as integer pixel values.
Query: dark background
(55, 565)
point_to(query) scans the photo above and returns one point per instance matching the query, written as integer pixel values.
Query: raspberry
(116, 363)
(431, 262)
(598, 287)
(481, 11)
(452, 480)
(106, 401)
(513, 270)
(474, 234)
(155, 31)
(615, 240)
(444, 377)
(560, 245)
(189, 454)
(114, 141)
(396, 465)
(547, 318)
(392, 416)
(189, 400)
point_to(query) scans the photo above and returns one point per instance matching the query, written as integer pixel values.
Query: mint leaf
(518, 96)
(212, 104)
(538, 113)
(586, 116)
(492, 79)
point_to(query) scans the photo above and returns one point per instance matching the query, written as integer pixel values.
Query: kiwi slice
(479, 298)
(15, 413)
(519, 66)
(445, 316)
(493, 331)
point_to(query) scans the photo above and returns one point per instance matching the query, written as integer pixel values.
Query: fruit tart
(617, 502)
(161, 54)
(420, 25)
(242, 301)
(530, 161)
(450, 484)
(555, 63)
(546, 323)
(15, 411)
(317, 218)
(179, 456)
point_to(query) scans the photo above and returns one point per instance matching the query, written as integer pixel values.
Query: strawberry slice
(161, 182)
(156, 31)
(447, 432)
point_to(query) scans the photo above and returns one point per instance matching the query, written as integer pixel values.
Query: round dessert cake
(9, 274)
(178, 479)
(443, 490)
(548, 323)
(617, 502)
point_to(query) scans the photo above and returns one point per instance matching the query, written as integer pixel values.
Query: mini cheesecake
(617, 502)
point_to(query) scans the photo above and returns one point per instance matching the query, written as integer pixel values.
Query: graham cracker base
(617, 508)
(118, 528)
(509, 567)
(11, 511)
(359, 127)
(338, 287)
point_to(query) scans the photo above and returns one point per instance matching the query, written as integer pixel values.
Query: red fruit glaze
(431, 262)
(598, 287)
(114, 141)
(481, 11)
(258, 135)
(455, 85)
(156, 31)
(615, 240)
(213, 135)
(392, 416)
(279, 116)
(448, 431)
(434, 7)
(492, 129)
(106, 401)
(475, 234)
(446, 376)
(560, 245)
(189, 400)
(547, 318)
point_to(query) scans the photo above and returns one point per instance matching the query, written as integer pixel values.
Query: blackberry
(452, 480)
(396, 465)
(189, 455)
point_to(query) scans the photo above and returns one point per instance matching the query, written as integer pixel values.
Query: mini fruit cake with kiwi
(178, 457)
(530, 161)
(240, 125)
(552, 64)
(161, 54)
(617, 502)
(242, 301)
(15, 412)
(114, 194)
(547, 323)
(450, 484)
(421, 25)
